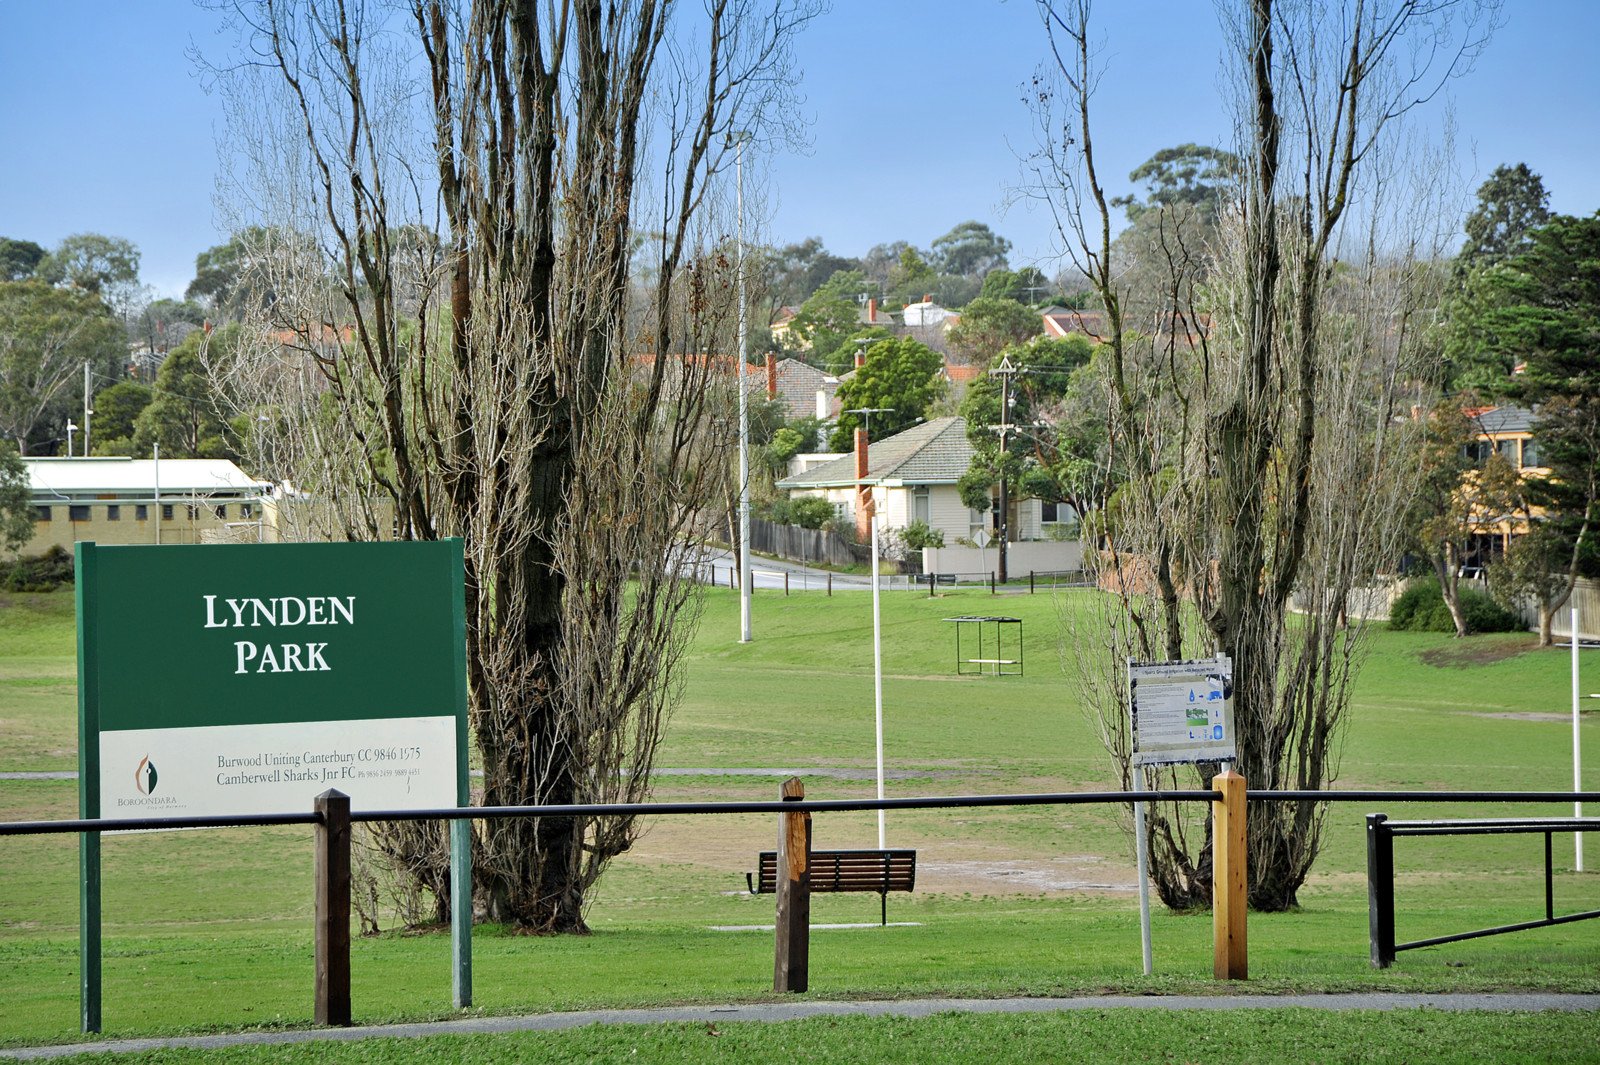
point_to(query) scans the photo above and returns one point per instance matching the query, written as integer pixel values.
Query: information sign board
(1182, 711)
(246, 679)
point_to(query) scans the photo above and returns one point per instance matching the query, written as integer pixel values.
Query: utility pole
(87, 410)
(1005, 371)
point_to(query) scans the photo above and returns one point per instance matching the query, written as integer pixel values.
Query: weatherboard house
(911, 476)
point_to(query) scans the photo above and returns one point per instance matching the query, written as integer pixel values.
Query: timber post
(791, 959)
(331, 876)
(1229, 878)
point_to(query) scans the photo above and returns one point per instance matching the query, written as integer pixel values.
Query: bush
(810, 512)
(918, 535)
(38, 573)
(1421, 608)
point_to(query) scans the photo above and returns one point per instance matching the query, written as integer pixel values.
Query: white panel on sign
(1182, 711)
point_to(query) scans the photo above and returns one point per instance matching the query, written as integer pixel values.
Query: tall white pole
(156, 457)
(877, 667)
(1142, 855)
(1577, 761)
(744, 418)
(87, 410)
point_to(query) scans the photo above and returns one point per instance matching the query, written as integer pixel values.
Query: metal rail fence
(332, 818)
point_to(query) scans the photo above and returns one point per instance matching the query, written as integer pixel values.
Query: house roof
(1503, 420)
(935, 452)
(63, 478)
(798, 385)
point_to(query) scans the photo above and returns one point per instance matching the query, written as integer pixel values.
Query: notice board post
(1182, 713)
(225, 679)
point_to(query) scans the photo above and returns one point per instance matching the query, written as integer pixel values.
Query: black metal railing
(1381, 833)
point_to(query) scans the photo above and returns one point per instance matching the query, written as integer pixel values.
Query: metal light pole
(1577, 761)
(71, 428)
(744, 417)
(87, 410)
(877, 667)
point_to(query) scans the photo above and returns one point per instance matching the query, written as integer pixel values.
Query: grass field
(211, 930)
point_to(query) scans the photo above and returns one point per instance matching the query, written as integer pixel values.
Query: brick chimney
(864, 503)
(772, 376)
(872, 312)
(861, 358)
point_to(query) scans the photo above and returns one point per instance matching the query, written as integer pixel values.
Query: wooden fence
(805, 545)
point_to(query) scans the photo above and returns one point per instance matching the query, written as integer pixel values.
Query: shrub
(810, 512)
(1421, 608)
(918, 535)
(38, 573)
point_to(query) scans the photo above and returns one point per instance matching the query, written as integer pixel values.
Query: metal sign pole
(1141, 848)
(1577, 760)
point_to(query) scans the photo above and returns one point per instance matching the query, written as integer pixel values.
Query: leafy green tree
(46, 335)
(971, 249)
(187, 417)
(16, 502)
(103, 266)
(116, 409)
(1541, 307)
(796, 271)
(911, 277)
(900, 375)
(831, 318)
(19, 259)
(1512, 202)
(989, 325)
(1192, 175)
(1026, 286)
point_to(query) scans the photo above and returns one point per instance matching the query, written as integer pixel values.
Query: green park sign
(228, 680)
(246, 679)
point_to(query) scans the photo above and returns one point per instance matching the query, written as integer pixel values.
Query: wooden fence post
(785, 582)
(791, 960)
(830, 582)
(331, 876)
(1230, 847)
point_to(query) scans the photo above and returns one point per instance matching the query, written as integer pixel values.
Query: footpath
(792, 1011)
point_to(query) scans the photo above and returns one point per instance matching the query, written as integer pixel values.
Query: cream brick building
(142, 501)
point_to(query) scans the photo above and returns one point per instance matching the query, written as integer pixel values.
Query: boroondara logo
(144, 778)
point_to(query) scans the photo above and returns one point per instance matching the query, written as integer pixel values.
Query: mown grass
(1108, 1036)
(210, 930)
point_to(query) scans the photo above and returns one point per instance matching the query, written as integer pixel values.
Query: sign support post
(1142, 849)
(1181, 713)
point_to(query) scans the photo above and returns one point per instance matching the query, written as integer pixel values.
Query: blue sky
(913, 111)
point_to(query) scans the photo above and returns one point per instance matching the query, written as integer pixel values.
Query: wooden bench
(857, 870)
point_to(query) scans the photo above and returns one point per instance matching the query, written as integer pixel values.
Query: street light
(877, 616)
(71, 428)
(739, 139)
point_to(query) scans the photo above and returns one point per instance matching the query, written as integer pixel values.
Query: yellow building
(145, 501)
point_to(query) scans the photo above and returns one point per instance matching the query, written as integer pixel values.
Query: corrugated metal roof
(81, 477)
(935, 452)
(1505, 420)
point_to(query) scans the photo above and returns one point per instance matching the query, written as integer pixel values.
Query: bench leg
(883, 898)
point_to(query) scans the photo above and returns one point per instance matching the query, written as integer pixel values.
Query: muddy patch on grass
(1525, 715)
(1478, 651)
(944, 866)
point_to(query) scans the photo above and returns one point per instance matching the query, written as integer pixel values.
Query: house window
(113, 513)
(166, 512)
(77, 513)
(41, 513)
(921, 508)
(1050, 513)
(194, 512)
(247, 510)
(222, 512)
(977, 521)
(1530, 453)
(141, 512)
(1508, 451)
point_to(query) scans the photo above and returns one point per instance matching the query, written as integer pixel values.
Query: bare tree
(453, 352)
(1254, 419)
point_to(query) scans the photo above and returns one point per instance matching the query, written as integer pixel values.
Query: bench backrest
(852, 870)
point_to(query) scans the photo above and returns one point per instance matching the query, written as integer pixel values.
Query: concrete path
(790, 1011)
